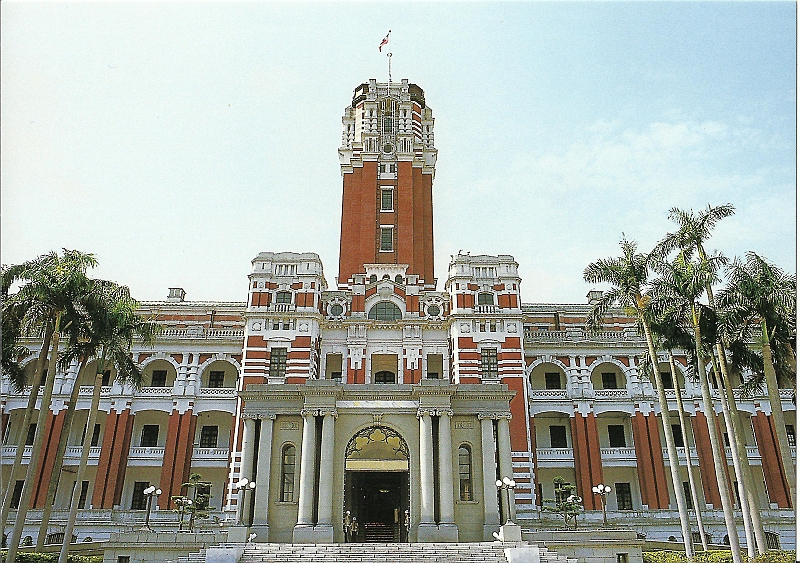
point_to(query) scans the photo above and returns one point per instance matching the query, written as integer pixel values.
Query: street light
(244, 486)
(149, 492)
(183, 505)
(508, 484)
(603, 491)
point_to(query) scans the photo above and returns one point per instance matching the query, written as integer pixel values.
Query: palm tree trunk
(777, 412)
(55, 476)
(33, 464)
(26, 420)
(747, 470)
(87, 441)
(672, 452)
(735, 440)
(716, 450)
(685, 434)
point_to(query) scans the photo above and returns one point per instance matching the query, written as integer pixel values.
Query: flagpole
(389, 56)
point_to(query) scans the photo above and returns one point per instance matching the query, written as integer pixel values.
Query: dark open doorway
(378, 500)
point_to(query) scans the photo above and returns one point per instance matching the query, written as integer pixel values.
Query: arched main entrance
(376, 490)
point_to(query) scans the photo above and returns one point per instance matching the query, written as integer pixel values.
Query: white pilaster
(246, 467)
(261, 516)
(325, 511)
(306, 501)
(491, 518)
(447, 526)
(504, 458)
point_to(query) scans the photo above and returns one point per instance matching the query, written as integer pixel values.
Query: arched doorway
(376, 488)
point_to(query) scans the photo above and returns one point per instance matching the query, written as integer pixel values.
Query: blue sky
(177, 140)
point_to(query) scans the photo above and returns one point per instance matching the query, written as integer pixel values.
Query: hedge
(52, 558)
(721, 556)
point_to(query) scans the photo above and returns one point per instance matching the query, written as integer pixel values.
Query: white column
(325, 511)
(246, 467)
(261, 517)
(504, 458)
(446, 513)
(491, 518)
(305, 511)
(425, 467)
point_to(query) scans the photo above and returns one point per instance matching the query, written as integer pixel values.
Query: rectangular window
(17, 494)
(216, 379)
(387, 239)
(123, 559)
(159, 378)
(666, 380)
(387, 124)
(609, 380)
(277, 362)
(489, 363)
(790, 434)
(287, 474)
(139, 500)
(677, 435)
(435, 366)
(387, 199)
(95, 436)
(552, 380)
(558, 436)
(149, 436)
(687, 494)
(616, 436)
(465, 473)
(624, 498)
(208, 436)
(106, 380)
(31, 434)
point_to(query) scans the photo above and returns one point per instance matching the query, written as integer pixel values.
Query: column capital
(444, 412)
(309, 412)
(425, 412)
(329, 412)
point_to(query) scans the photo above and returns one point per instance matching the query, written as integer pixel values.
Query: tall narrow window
(31, 434)
(387, 239)
(149, 436)
(387, 199)
(465, 472)
(106, 380)
(139, 500)
(277, 362)
(95, 436)
(790, 434)
(83, 494)
(17, 494)
(666, 379)
(489, 363)
(677, 435)
(159, 378)
(624, 497)
(687, 494)
(287, 473)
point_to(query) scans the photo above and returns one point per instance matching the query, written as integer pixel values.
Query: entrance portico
(376, 451)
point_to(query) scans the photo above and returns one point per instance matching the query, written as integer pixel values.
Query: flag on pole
(384, 42)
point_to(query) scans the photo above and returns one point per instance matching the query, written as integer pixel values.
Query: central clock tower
(388, 162)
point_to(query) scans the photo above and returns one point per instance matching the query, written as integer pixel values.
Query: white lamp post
(508, 484)
(149, 492)
(244, 486)
(603, 491)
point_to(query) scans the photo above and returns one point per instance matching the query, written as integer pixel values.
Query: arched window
(485, 299)
(398, 279)
(465, 472)
(384, 377)
(284, 297)
(373, 278)
(385, 311)
(287, 473)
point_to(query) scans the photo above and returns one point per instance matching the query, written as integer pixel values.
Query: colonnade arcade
(410, 463)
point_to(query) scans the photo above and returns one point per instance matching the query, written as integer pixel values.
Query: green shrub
(53, 558)
(721, 556)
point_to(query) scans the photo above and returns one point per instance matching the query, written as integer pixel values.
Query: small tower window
(387, 124)
(284, 297)
(485, 299)
(387, 239)
(387, 199)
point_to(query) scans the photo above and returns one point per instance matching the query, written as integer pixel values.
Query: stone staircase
(484, 552)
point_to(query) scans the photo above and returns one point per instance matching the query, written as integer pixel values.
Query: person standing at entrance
(347, 526)
(354, 529)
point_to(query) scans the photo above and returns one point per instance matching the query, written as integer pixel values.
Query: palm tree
(51, 294)
(678, 287)
(761, 294)
(693, 230)
(670, 336)
(110, 334)
(628, 277)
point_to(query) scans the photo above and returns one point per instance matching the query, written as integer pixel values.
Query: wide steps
(376, 553)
